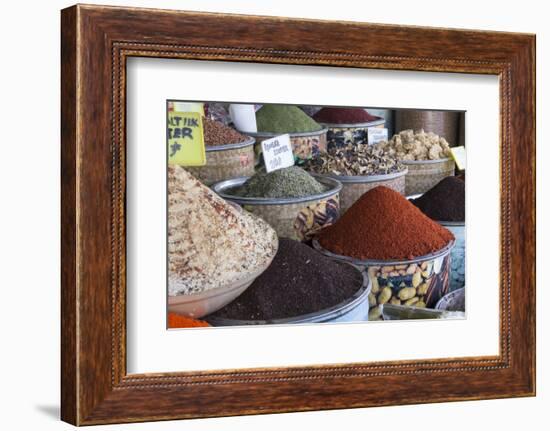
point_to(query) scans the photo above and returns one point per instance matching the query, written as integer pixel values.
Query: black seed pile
(445, 201)
(300, 280)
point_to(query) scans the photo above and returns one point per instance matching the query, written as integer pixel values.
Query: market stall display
(359, 168)
(347, 126)
(405, 253)
(229, 154)
(214, 249)
(426, 155)
(445, 203)
(308, 138)
(293, 202)
(300, 286)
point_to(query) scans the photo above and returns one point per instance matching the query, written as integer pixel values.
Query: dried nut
(417, 278)
(423, 266)
(398, 267)
(395, 301)
(420, 304)
(425, 274)
(375, 313)
(406, 293)
(385, 295)
(393, 274)
(372, 300)
(372, 270)
(402, 272)
(423, 289)
(402, 284)
(412, 301)
(375, 287)
(387, 269)
(411, 269)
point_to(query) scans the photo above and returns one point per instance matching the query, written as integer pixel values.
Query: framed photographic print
(329, 214)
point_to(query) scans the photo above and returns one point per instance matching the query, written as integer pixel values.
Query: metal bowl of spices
(420, 282)
(353, 309)
(296, 217)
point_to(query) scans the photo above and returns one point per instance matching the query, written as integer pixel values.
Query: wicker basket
(342, 135)
(295, 218)
(442, 123)
(353, 187)
(226, 161)
(304, 145)
(424, 174)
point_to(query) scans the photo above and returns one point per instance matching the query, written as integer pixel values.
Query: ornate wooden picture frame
(96, 42)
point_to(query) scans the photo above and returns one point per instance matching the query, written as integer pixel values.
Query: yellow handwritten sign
(186, 139)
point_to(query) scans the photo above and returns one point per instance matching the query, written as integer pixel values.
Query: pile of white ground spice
(210, 242)
(419, 145)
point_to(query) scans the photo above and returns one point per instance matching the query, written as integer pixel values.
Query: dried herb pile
(353, 160)
(284, 119)
(383, 225)
(291, 182)
(419, 145)
(217, 133)
(300, 280)
(445, 201)
(344, 116)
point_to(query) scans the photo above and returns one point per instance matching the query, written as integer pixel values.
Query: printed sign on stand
(376, 134)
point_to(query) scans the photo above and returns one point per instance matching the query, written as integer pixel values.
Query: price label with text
(277, 153)
(186, 139)
(376, 134)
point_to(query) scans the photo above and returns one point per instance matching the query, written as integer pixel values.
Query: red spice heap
(179, 321)
(383, 225)
(343, 116)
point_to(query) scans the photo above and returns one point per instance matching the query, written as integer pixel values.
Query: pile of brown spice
(217, 133)
(383, 225)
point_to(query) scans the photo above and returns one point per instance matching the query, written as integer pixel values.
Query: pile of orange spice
(179, 321)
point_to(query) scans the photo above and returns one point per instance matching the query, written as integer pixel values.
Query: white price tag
(459, 156)
(376, 134)
(277, 153)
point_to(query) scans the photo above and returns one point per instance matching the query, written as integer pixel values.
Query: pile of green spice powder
(285, 119)
(291, 182)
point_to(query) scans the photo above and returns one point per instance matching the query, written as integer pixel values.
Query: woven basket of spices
(292, 217)
(229, 154)
(424, 174)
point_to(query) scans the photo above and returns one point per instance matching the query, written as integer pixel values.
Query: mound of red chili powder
(343, 116)
(383, 225)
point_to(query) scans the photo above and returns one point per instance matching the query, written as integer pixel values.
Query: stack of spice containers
(292, 201)
(347, 126)
(445, 203)
(426, 155)
(405, 254)
(229, 154)
(308, 138)
(360, 168)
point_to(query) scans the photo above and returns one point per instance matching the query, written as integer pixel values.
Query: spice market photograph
(299, 214)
